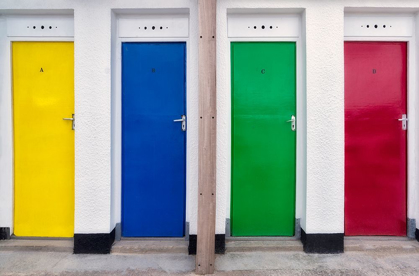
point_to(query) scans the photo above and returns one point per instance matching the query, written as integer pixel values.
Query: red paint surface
(375, 144)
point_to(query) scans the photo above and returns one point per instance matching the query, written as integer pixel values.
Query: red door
(375, 142)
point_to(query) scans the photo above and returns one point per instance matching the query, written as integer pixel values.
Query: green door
(263, 142)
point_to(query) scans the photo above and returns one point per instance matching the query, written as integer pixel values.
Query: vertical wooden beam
(205, 255)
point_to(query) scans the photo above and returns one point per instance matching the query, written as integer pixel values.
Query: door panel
(375, 144)
(153, 146)
(263, 144)
(43, 94)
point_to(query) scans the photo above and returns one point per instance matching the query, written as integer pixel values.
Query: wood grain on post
(205, 255)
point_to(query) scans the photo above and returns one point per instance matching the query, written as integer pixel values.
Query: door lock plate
(73, 119)
(183, 121)
(404, 120)
(292, 121)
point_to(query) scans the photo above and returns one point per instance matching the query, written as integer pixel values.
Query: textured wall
(6, 149)
(321, 208)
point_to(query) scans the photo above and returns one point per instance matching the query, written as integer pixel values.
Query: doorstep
(150, 246)
(168, 246)
(263, 246)
(43, 245)
(381, 244)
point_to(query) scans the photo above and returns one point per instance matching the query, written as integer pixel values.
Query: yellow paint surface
(43, 141)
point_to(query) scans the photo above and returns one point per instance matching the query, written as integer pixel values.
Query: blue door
(153, 145)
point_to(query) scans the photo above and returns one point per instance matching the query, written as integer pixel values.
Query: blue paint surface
(153, 146)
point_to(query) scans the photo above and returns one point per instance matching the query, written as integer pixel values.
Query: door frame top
(40, 25)
(154, 26)
(379, 25)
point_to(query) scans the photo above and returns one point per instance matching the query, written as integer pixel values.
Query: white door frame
(300, 104)
(8, 35)
(412, 143)
(191, 112)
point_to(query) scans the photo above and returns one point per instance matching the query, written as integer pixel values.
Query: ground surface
(283, 257)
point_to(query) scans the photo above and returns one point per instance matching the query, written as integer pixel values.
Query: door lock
(404, 120)
(183, 121)
(292, 121)
(73, 119)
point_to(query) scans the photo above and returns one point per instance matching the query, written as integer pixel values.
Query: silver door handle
(183, 121)
(292, 121)
(73, 125)
(404, 120)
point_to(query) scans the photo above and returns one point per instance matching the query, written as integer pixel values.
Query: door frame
(7, 182)
(191, 108)
(412, 144)
(300, 162)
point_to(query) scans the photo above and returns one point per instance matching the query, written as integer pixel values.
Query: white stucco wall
(6, 147)
(322, 195)
(413, 203)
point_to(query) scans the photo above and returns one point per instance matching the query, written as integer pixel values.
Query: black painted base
(220, 244)
(322, 243)
(93, 243)
(4, 233)
(417, 234)
(192, 244)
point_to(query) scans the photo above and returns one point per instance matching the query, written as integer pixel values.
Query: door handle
(292, 121)
(404, 120)
(183, 121)
(73, 119)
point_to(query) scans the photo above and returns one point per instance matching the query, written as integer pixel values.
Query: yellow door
(43, 94)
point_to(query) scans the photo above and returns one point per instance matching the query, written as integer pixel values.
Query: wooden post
(205, 255)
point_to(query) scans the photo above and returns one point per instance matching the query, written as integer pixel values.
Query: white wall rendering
(320, 199)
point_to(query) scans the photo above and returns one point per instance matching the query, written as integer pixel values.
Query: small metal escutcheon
(183, 120)
(292, 121)
(73, 119)
(404, 120)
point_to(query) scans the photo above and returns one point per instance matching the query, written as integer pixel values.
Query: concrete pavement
(363, 256)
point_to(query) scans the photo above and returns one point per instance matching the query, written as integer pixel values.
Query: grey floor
(363, 256)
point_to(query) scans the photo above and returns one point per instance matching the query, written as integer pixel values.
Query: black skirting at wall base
(4, 233)
(322, 243)
(93, 243)
(192, 244)
(220, 244)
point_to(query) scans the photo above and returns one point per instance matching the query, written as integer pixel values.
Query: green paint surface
(263, 144)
